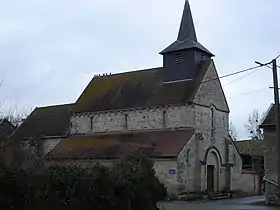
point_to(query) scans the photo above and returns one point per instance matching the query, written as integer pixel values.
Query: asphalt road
(250, 203)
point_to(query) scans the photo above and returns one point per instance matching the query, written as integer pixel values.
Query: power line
(217, 89)
(231, 74)
(241, 77)
(249, 93)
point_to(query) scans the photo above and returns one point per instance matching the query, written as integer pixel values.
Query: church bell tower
(182, 58)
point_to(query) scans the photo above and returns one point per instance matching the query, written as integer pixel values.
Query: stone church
(177, 114)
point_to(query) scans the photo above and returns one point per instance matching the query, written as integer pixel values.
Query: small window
(125, 120)
(188, 157)
(164, 116)
(178, 58)
(91, 123)
(234, 158)
(212, 121)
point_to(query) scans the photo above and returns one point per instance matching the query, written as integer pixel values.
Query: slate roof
(187, 29)
(186, 44)
(45, 121)
(116, 91)
(6, 128)
(187, 36)
(250, 147)
(269, 117)
(156, 144)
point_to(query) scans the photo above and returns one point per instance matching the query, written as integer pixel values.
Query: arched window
(212, 121)
(164, 116)
(91, 123)
(188, 156)
(125, 120)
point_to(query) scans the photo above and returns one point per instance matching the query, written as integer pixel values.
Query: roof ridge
(127, 72)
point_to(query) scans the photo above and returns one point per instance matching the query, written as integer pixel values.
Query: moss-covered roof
(158, 144)
(142, 88)
(250, 147)
(45, 121)
(134, 89)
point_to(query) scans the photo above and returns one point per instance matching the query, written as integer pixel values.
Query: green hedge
(129, 184)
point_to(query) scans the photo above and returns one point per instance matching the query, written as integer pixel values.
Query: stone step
(218, 196)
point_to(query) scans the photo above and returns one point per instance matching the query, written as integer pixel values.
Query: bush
(130, 184)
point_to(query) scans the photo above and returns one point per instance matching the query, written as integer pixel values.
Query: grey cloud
(50, 50)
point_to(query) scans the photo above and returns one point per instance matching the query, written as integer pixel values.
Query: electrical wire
(231, 74)
(249, 93)
(271, 67)
(236, 80)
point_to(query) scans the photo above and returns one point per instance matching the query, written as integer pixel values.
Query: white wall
(162, 168)
(248, 183)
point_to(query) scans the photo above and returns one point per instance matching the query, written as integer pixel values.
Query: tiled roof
(157, 144)
(250, 147)
(142, 88)
(45, 121)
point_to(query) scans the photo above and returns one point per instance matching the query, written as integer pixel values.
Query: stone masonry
(270, 161)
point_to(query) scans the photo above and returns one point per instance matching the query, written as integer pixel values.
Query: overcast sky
(49, 50)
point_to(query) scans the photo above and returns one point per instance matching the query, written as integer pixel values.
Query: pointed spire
(187, 30)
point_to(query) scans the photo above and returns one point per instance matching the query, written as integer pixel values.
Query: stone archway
(212, 170)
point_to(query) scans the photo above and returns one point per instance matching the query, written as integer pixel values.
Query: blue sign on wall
(172, 171)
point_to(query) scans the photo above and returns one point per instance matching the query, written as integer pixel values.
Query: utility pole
(276, 99)
(277, 112)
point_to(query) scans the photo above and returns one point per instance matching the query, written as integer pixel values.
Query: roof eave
(167, 50)
(266, 115)
(168, 157)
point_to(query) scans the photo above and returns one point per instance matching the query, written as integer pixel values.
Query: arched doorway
(212, 171)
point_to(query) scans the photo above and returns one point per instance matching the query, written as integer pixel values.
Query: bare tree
(13, 114)
(253, 123)
(11, 152)
(233, 132)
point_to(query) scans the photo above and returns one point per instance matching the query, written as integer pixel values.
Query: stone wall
(137, 119)
(210, 95)
(187, 163)
(211, 92)
(270, 161)
(235, 161)
(249, 183)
